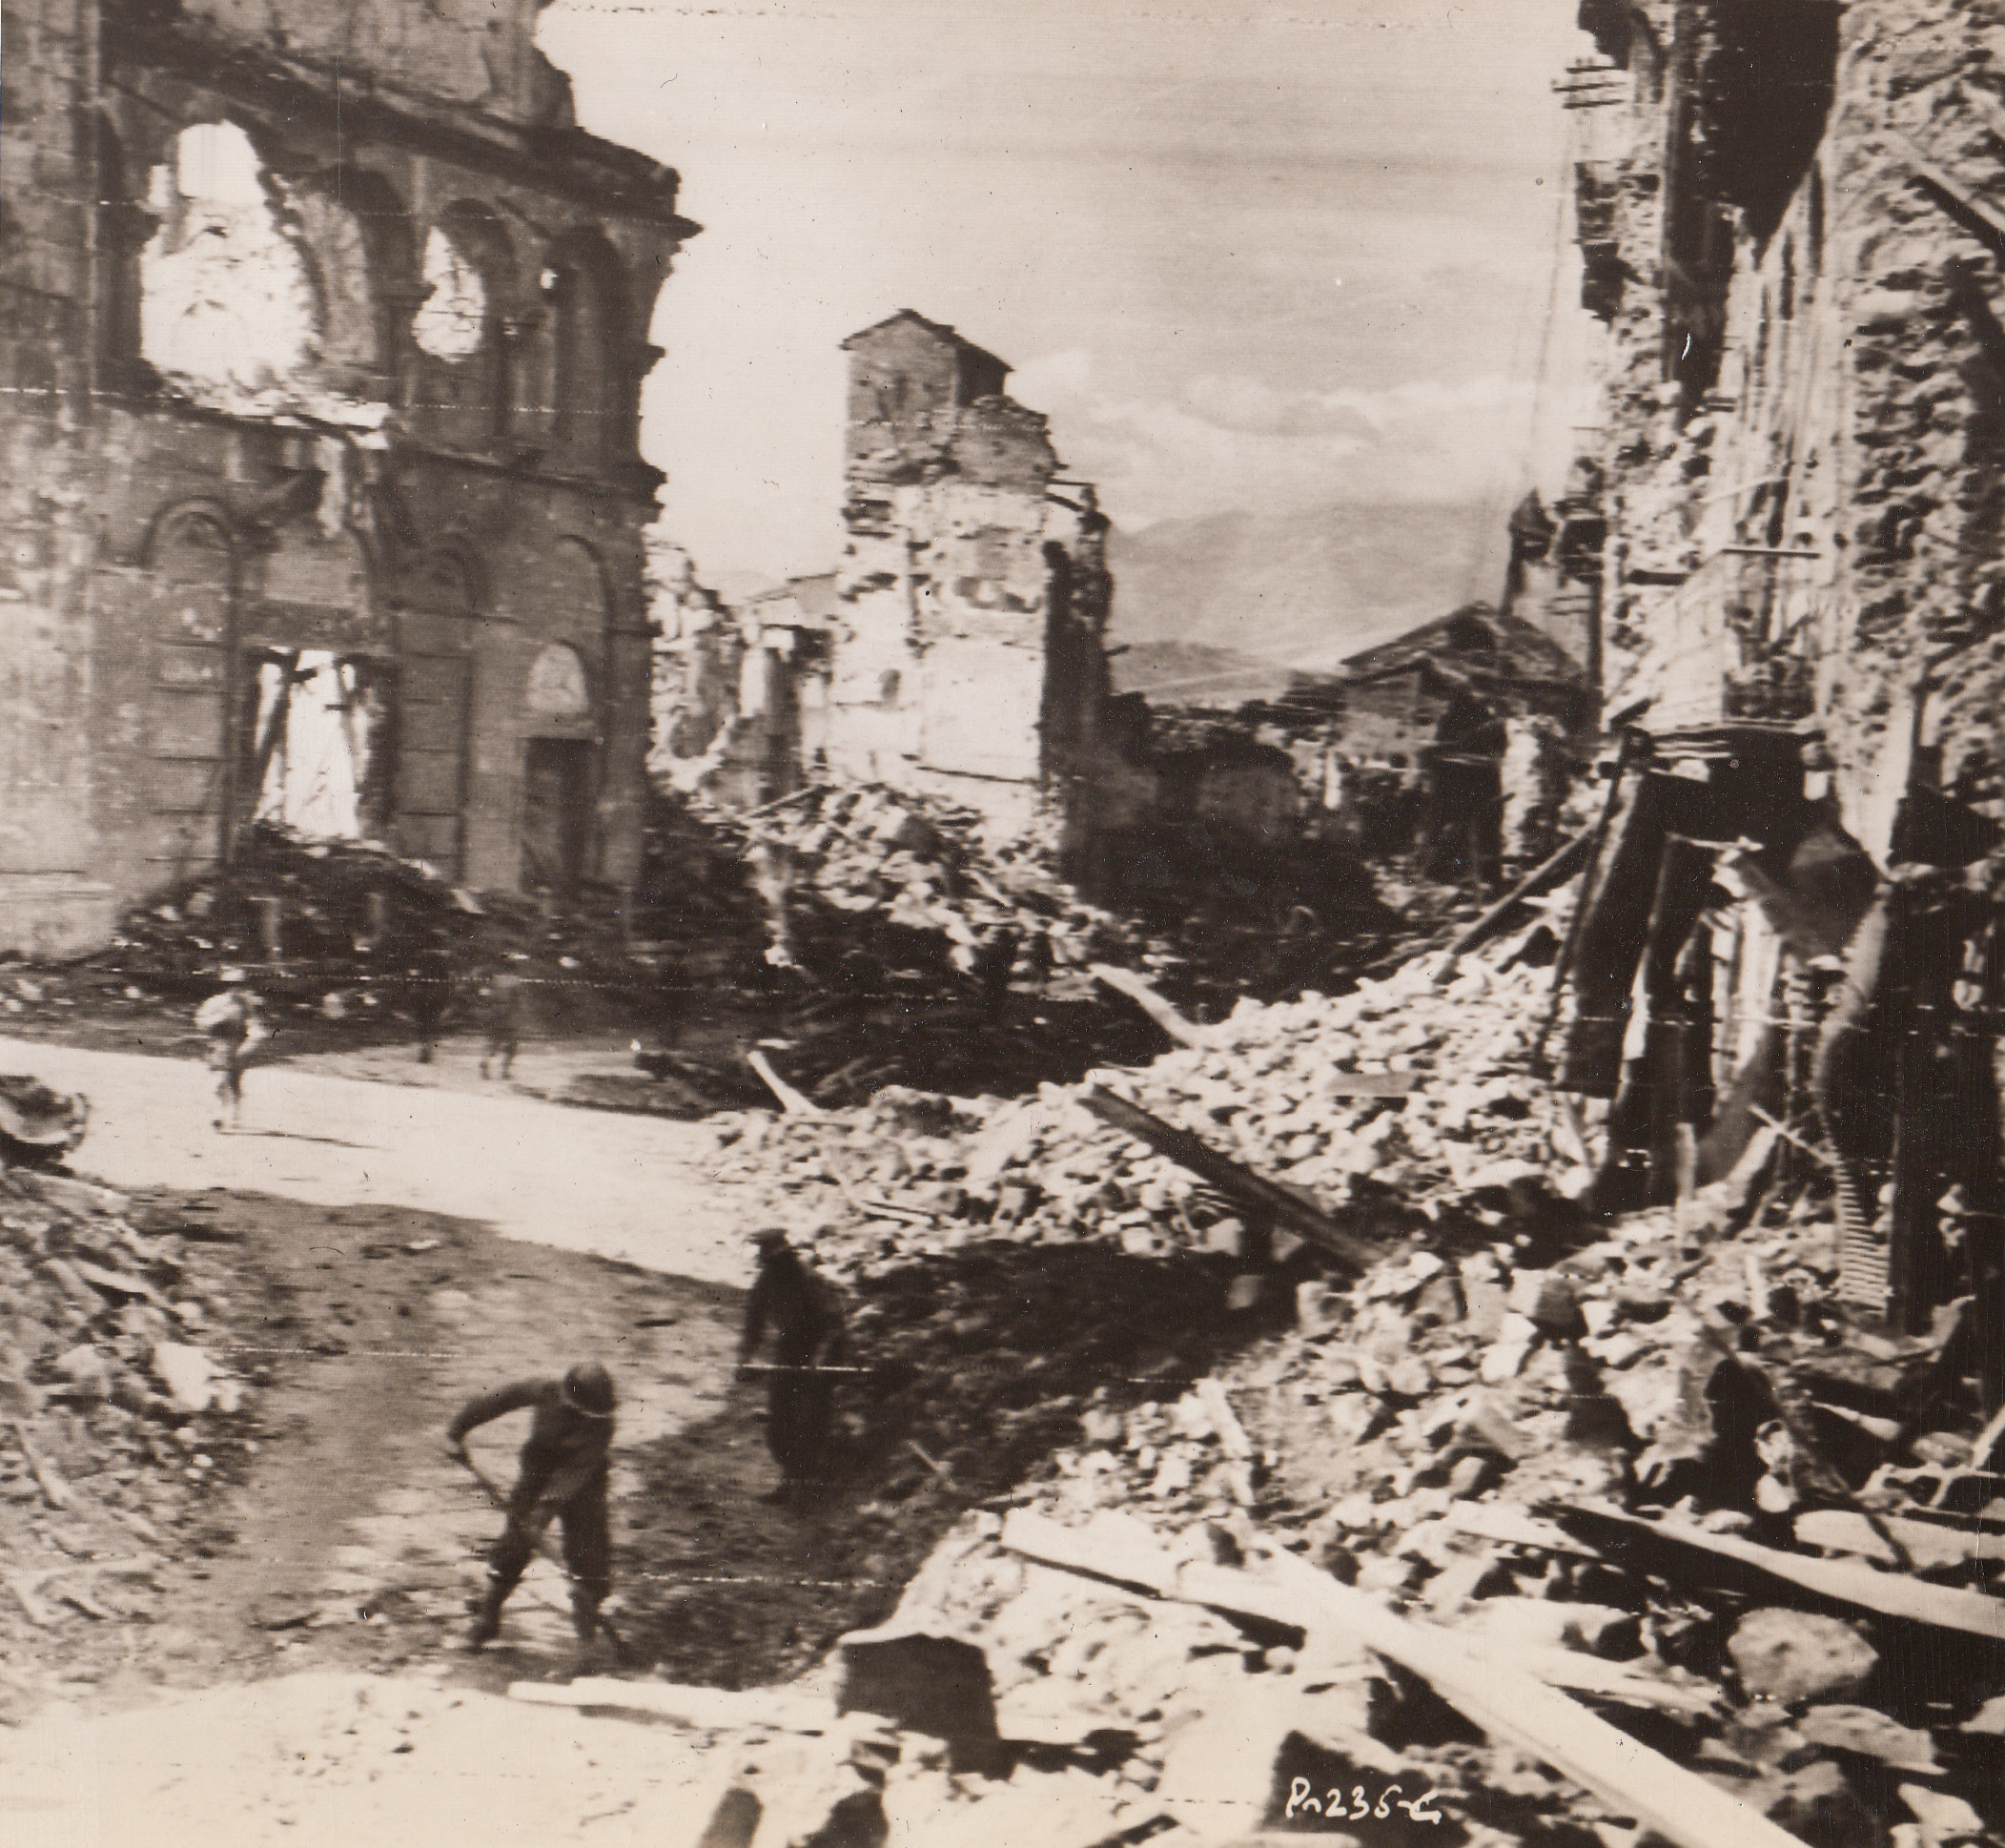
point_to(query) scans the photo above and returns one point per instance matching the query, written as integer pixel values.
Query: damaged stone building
(967, 655)
(958, 648)
(322, 328)
(1792, 220)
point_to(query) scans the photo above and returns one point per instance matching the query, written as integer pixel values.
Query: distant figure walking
(428, 986)
(804, 1312)
(562, 1477)
(506, 1000)
(234, 1026)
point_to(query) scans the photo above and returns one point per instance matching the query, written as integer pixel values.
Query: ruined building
(967, 653)
(958, 650)
(1790, 216)
(322, 328)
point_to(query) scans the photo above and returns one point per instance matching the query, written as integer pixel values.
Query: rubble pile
(117, 1420)
(340, 932)
(1653, 1463)
(893, 880)
(1274, 1087)
(881, 939)
(1397, 1551)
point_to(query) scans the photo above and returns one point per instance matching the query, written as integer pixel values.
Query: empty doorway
(556, 815)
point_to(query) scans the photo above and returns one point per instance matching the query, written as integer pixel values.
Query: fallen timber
(1511, 1706)
(1690, 1550)
(1264, 1199)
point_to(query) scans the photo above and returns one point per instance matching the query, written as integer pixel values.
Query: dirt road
(633, 1188)
(396, 1248)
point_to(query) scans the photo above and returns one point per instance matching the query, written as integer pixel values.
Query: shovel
(544, 1546)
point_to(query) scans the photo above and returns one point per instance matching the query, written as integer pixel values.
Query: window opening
(226, 300)
(320, 742)
(452, 323)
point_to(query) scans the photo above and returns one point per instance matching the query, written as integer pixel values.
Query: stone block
(1795, 1656)
(937, 1685)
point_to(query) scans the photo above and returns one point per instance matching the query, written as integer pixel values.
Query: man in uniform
(506, 999)
(563, 1477)
(804, 1312)
(233, 1020)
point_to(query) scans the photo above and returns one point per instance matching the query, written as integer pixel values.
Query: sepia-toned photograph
(1002, 923)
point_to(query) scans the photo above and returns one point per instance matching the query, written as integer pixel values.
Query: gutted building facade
(1790, 218)
(322, 328)
(967, 653)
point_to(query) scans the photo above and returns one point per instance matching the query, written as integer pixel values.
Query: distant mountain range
(1266, 592)
(1194, 673)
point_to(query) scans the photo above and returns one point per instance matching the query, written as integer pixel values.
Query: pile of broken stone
(1274, 1086)
(1576, 1530)
(118, 1417)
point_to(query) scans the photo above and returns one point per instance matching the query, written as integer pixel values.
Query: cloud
(1231, 440)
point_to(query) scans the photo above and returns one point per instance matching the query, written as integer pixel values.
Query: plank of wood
(1554, 870)
(48, 1478)
(1139, 990)
(1840, 1581)
(1257, 1195)
(1500, 1522)
(1930, 1546)
(1508, 1704)
(790, 1100)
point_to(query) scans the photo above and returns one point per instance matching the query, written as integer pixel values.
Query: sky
(1270, 254)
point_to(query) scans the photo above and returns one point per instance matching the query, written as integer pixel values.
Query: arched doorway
(559, 773)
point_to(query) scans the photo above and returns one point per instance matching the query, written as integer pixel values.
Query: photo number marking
(1303, 1800)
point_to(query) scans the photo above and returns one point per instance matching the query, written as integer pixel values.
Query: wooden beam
(1261, 1197)
(1549, 872)
(1832, 1581)
(791, 1101)
(1946, 183)
(1125, 982)
(1511, 1706)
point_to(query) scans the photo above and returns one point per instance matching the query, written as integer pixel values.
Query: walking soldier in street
(233, 1021)
(563, 1477)
(804, 1312)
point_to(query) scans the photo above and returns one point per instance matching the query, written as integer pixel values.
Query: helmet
(589, 1387)
(768, 1237)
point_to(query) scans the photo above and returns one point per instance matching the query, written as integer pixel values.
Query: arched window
(469, 282)
(595, 384)
(228, 303)
(191, 548)
(452, 325)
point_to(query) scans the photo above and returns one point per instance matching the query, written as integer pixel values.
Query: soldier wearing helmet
(563, 1477)
(803, 1309)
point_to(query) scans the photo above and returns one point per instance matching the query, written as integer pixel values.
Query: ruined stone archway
(594, 398)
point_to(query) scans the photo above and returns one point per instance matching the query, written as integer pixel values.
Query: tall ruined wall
(439, 480)
(974, 591)
(1787, 220)
(51, 898)
(480, 53)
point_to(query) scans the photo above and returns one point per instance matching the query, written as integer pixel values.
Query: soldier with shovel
(563, 1477)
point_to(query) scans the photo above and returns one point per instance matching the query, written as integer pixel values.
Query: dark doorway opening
(556, 815)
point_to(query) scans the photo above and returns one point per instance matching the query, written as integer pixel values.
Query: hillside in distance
(1299, 590)
(1194, 673)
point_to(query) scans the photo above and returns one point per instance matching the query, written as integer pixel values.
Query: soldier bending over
(234, 1023)
(563, 1477)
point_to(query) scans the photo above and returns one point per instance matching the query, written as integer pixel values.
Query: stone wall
(966, 656)
(1789, 231)
(444, 481)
